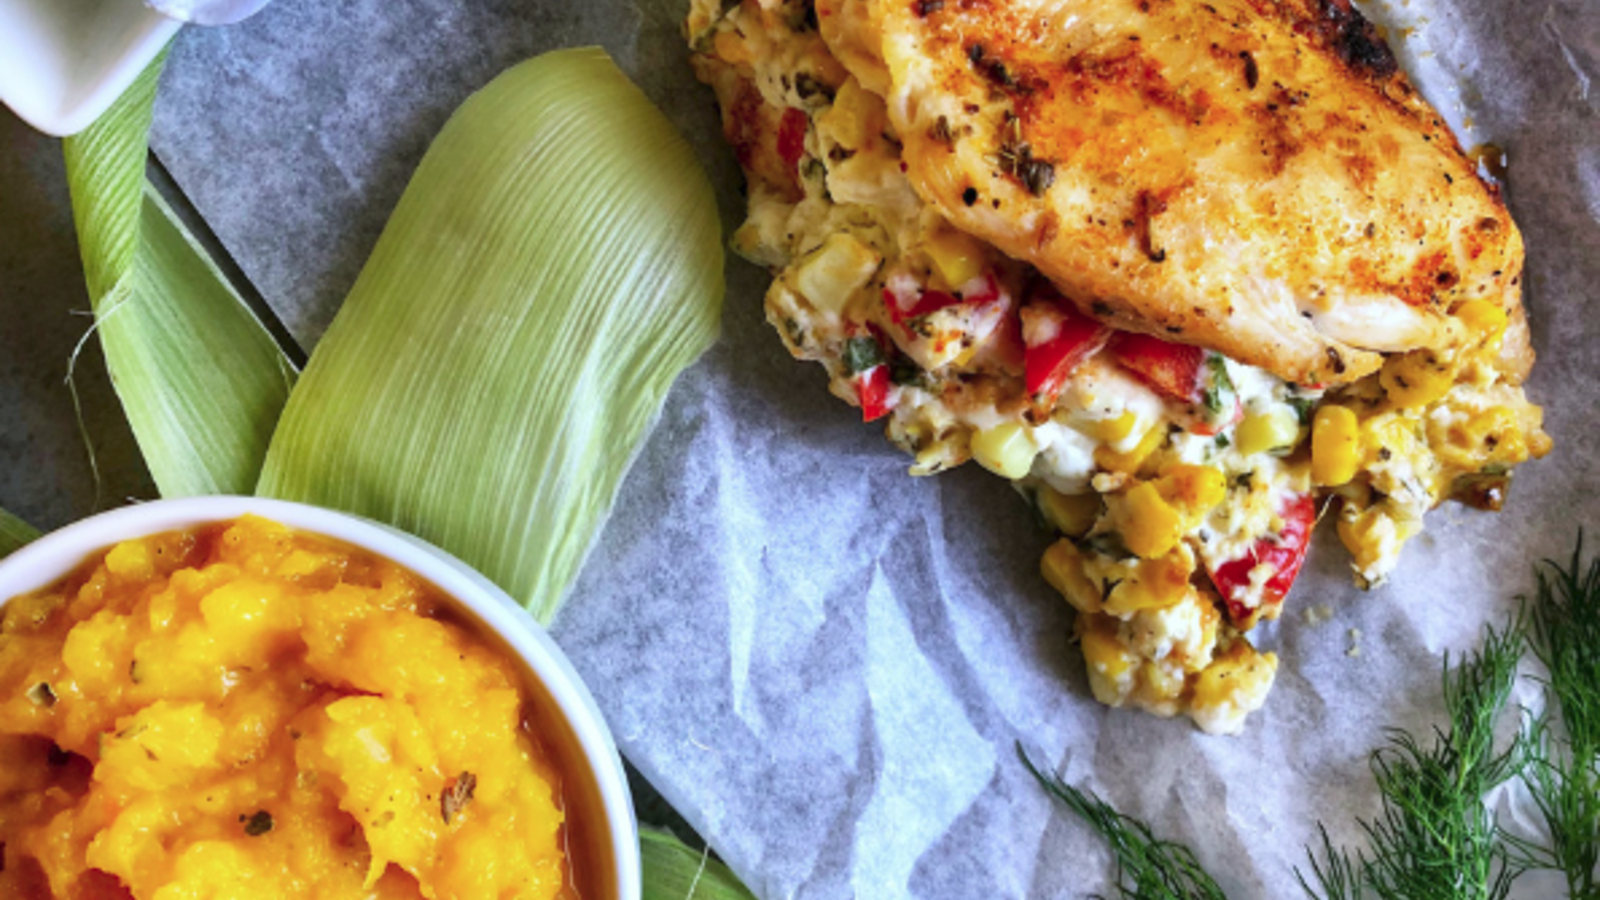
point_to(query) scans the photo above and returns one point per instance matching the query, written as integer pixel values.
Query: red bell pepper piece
(1285, 552)
(1172, 369)
(872, 389)
(906, 305)
(922, 304)
(792, 135)
(1187, 374)
(1058, 339)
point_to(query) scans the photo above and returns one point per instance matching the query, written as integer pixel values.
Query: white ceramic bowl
(56, 555)
(63, 62)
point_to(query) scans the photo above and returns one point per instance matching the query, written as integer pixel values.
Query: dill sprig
(1339, 876)
(1147, 868)
(1434, 838)
(1563, 771)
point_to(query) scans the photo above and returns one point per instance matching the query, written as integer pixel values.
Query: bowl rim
(90, 91)
(55, 555)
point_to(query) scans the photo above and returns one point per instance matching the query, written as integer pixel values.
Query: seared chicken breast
(1253, 176)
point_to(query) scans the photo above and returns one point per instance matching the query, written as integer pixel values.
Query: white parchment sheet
(825, 663)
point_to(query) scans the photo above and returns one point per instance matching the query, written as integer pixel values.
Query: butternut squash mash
(244, 711)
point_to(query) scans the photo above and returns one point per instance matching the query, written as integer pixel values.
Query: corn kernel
(731, 48)
(1474, 440)
(1235, 676)
(1498, 436)
(1394, 433)
(1150, 526)
(830, 274)
(1160, 682)
(945, 452)
(1335, 446)
(1129, 463)
(1006, 450)
(1152, 584)
(855, 117)
(1108, 660)
(1062, 566)
(1193, 490)
(1071, 514)
(1485, 320)
(1374, 537)
(956, 257)
(1416, 379)
(1275, 429)
(1110, 431)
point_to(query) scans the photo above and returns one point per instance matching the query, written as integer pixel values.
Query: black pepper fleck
(1336, 361)
(257, 823)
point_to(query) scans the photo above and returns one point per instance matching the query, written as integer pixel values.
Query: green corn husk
(14, 533)
(552, 267)
(672, 871)
(201, 380)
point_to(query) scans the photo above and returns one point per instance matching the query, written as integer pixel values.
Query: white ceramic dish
(63, 62)
(56, 555)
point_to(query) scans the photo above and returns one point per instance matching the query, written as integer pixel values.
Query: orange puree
(244, 711)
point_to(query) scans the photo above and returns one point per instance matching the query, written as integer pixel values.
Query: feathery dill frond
(1434, 839)
(1147, 868)
(1338, 875)
(1563, 771)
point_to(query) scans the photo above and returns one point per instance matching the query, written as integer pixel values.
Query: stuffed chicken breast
(1190, 275)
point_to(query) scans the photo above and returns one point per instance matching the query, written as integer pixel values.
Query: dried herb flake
(1017, 160)
(41, 694)
(861, 354)
(456, 797)
(257, 823)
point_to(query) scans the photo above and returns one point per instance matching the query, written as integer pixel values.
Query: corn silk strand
(674, 871)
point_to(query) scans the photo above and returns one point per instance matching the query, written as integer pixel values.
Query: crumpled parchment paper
(824, 663)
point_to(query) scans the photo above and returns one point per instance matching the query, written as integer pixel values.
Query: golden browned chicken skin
(1253, 176)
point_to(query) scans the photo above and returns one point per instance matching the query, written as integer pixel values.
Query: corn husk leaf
(201, 380)
(14, 533)
(673, 871)
(552, 267)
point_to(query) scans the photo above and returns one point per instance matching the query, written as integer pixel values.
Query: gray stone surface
(46, 474)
